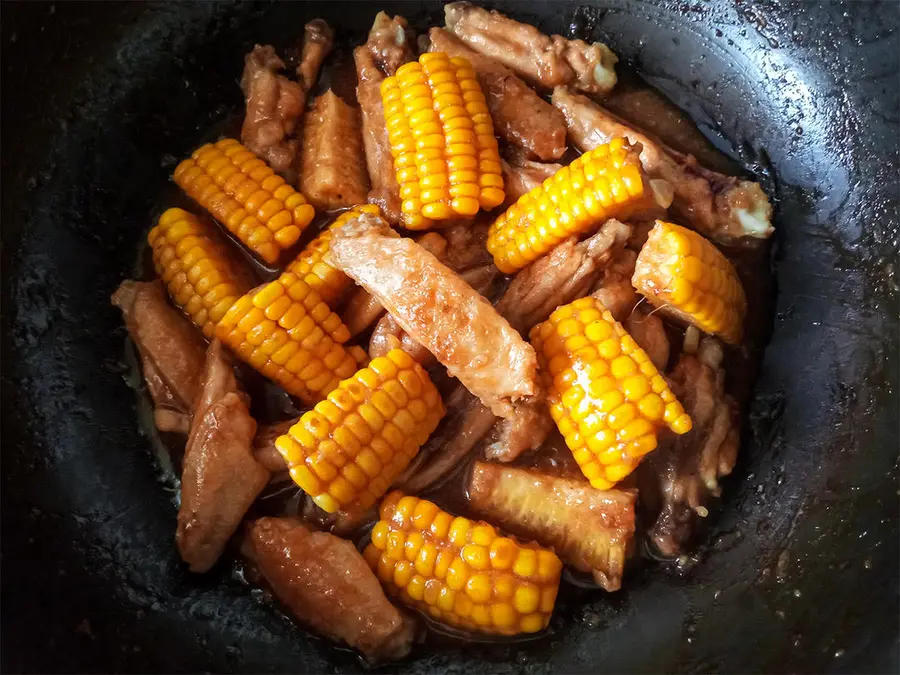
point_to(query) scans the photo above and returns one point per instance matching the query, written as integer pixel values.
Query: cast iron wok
(800, 569)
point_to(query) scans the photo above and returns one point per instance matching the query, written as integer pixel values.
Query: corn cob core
(462, 572)
(349, 448)
(329, 282)
(606, 182)
(287, 333)
(442, 140)
(605, 395)
(246, 196)
(201, 275)
(686, 274)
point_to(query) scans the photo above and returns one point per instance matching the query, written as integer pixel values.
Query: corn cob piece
(605, 395)
(689, 278)
(246, 196)
(310, 265)
(442, 141)
(332, 165)
(287, 333)
(606, 182)
(349, 448)
(462, 572)
(590, 529)
(291, 297)
(201, 274)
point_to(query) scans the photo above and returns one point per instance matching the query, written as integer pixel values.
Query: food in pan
(503, 316)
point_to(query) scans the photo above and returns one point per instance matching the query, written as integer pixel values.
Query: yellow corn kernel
(291, 302)
(686, 276)
(202, 275)
(606, 182)
(608, 421)
(329, 282)
(337, 432)
(442, 139)
(466, 574)
(244, 194)
(306, 361)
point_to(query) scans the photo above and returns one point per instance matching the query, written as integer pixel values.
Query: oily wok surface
(800, 567)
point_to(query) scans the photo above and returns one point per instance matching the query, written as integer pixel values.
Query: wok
(800, 572)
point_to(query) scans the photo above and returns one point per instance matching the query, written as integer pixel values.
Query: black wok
(800, 572)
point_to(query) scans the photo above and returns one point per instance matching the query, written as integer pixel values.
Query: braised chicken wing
(274, 106)
(681, 479)
(387, 48)
(438, 310)
(172, 351)
(220, 477)
(718, 206)
(326, 584)
(546, 61)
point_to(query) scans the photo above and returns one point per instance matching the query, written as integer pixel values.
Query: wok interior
(98, 526)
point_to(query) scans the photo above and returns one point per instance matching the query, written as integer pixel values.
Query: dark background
(801, 569)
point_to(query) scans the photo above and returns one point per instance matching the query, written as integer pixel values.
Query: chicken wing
(274, 106)
(522, 177)
(545, 61)
(467, 421)
(463, 250)
(648, 331)
(721, 207)
(361, 311)
(391, 42)
(467, 245)
(389, 334)
(220, 478)
(318, 41)
(332, 162)
(565, 274)
(168, 413)
(172, 350)
(679, 480)
(525, 430)
(326, 583)
(387, 48)
(614, 287)
(439, 310)
(264, 450)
